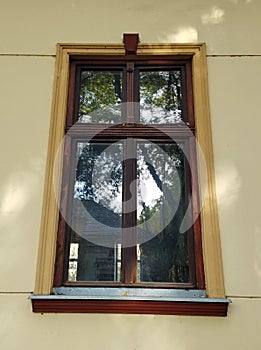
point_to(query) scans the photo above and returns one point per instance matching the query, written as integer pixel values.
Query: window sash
(131, 86)
(129, 219)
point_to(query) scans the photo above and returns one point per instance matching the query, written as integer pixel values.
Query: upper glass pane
(161, 96)
(100, 96)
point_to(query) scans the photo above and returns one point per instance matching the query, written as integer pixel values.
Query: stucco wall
(29, 32)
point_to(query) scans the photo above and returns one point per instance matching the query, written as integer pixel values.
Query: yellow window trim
(209, 214)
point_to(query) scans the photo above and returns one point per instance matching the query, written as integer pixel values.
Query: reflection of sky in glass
(156, 174)
(102, 170)
(148, 191)
(160, 97)
(156, 115)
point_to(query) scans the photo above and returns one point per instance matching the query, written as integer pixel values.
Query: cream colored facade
(29, 33)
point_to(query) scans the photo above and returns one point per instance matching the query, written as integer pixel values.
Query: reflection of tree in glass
(160, 96)
(164, 258)
(100, 97)
(99, 174)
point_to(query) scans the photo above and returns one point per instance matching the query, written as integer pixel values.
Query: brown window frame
(45, 299)
(131, 128)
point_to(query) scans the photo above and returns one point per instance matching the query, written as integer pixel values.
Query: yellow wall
(29, 32)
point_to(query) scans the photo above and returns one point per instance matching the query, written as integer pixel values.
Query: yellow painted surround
(209, 215)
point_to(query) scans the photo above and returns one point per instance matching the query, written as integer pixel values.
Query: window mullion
(129, 213)
(130, 118)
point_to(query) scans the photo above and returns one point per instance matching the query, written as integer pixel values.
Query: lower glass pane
(94, 262)
(162, 200)
(163, 255)
(96, 213)
(164, 258)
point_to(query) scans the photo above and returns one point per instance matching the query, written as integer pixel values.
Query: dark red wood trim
(131, 42)
(138, 284)
(187, 308)
(190, 231)
(189, 95)
(97, 131)
(198, 251)
(130, 93)
(61, 242)
(71, 95)
(163, 60)
(129, 218)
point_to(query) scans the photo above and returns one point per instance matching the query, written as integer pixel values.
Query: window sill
(123, 301)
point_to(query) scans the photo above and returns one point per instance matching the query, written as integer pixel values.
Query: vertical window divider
(130, 118)
(129, 212)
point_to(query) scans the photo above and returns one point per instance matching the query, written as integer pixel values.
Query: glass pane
(96, 213)
(163, 257)
(160, 96)
(100, 97)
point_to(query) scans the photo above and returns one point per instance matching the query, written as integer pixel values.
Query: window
(127, 179)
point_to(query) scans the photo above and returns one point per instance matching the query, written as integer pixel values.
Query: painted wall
(29, 31)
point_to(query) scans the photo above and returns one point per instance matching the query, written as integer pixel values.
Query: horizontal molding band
(118, 131)
(25, 55)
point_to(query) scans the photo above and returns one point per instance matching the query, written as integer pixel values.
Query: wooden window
(130, 115)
